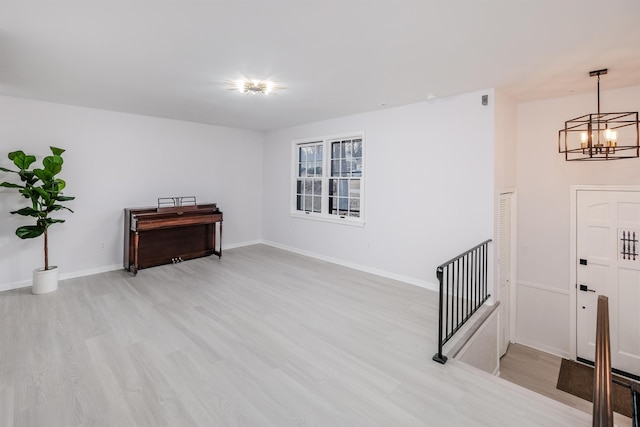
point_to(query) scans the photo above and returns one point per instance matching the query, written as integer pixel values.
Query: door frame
(573, 250)
(513, 257)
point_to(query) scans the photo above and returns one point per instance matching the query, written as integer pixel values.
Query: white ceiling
(175, 59)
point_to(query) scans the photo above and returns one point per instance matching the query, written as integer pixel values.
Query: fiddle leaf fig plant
(43, 189)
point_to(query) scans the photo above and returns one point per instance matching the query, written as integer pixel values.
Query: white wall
(117, 160)
(505, 137)
(544, 178)
(429, 188)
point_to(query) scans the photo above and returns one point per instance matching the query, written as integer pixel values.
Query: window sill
(351, 221)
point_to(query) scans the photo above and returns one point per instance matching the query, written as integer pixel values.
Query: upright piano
(176, 230)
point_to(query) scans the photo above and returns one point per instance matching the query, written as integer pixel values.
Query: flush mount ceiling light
(264, 87)
(600, 136)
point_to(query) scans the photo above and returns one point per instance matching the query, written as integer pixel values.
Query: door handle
(585, 288)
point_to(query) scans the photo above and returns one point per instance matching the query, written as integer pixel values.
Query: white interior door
(505, 235)
(608, 252)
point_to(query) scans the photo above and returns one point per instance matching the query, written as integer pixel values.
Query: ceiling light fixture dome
(264, 87)
(596, 136)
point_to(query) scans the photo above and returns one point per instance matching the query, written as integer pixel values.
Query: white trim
(105, 269)
(15, 285)
(546, 349)
(573, 218)
(241, 244)
(352, 221)
(405, 279)
(513, 268)
(66, 276)
(543, 287)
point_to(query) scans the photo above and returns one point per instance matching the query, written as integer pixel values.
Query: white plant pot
(45, 281)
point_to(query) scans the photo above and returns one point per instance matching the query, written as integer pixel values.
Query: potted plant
(43, 189)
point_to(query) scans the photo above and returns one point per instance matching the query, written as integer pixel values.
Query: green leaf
(7, 170)
(10, 185)
(27, 212)
(61, 198)
(57, 151)
(61, 184)
(50, 221)
(52, 164)
(58, 208)
(21, 160)
(44, 175)
(43, 194)
(29, 231)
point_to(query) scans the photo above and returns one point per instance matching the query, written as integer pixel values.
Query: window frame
(324, 214)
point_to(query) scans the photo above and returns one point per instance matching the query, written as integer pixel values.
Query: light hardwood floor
(263, 337)
(538, 371)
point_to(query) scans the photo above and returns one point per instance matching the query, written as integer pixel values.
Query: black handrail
(465, 277)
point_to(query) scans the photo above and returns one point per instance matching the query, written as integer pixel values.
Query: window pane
(318, 153)
(299, 202)
(335, 150)
(347, 149)
(317, 201)
(308, 186)
(354, 188)
(354, 205)
(357, 147)
(356, 168)
(343, 188)
(333, 204)
(343, 204)
(302, 170)
(299, 187)
(335, 168)
(307, 203)
(317, 186)
(318, 168)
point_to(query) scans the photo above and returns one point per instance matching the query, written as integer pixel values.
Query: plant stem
(46, 249)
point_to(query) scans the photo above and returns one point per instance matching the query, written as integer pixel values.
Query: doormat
(577, 379)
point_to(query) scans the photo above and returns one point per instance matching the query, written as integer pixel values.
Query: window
(329, 178)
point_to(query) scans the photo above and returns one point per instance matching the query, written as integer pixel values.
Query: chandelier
(600, 136)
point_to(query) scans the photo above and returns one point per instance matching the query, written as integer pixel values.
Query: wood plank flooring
(263, 337)
(538, 371)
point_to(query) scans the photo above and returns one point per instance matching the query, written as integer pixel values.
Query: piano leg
(214, 247)
(136, 241)
(220, 251)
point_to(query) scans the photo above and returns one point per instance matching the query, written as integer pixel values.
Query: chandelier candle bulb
(584, 140)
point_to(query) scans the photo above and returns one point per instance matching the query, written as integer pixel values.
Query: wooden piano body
(163, 235)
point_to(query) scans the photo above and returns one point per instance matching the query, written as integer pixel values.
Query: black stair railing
(463, 289)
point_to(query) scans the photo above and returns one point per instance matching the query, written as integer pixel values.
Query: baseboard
(15, 285)
(405, 279)
(91, 271)
(544, 348)
(103, 269)
(366, 269)
(242, 244)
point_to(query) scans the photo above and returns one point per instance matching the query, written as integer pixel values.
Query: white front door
(608, 252)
